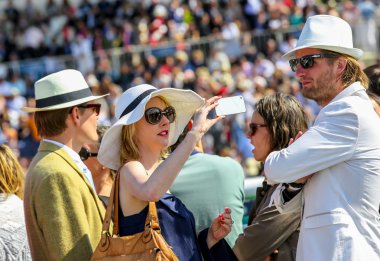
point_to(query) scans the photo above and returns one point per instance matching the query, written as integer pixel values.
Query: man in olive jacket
(63, 214)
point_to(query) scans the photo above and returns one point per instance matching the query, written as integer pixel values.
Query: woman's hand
(201, 124)
(291, 141)
(220, 227)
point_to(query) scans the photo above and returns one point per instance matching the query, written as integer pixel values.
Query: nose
(300, 71)
(164, 121)
(248, 135)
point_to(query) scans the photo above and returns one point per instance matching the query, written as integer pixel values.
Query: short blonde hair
(11, 173)
(51, 123)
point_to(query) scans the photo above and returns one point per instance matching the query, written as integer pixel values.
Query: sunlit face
(87, 128)
(260, 139)
(319, 81)
(157, 135)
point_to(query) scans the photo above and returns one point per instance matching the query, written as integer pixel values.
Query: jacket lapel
(50, 147)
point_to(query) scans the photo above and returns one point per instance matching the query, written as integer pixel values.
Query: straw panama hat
(326, 32)
(130, 108)
(60, 90)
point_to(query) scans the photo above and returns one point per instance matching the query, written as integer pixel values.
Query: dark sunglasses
(254, 126)
(84, 154)
(307, 61)
(154, 115)
(94, 106)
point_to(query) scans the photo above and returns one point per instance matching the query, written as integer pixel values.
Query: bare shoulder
(133, 168)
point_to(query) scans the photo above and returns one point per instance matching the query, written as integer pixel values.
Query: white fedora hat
(326, 32)
(60, 90)
(130, 108)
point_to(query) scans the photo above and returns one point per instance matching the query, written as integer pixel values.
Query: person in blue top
(149, 121)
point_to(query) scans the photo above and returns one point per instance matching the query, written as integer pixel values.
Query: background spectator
(103, 177)
(13, 239)
(373, 91)
(220, 180)
(197, 45)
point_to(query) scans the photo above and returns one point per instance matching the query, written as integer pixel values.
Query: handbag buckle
(147, 235)
(104, 241)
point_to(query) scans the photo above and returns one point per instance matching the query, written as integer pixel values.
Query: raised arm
(153, 187)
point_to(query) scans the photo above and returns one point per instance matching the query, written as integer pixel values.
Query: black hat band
(63, 98)
(136, 102)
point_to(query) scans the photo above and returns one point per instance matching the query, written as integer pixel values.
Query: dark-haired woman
(271, 235)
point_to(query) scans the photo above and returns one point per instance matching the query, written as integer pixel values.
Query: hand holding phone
(230, 105)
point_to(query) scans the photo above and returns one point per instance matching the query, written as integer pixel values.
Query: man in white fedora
(339, 154)
(62, 211)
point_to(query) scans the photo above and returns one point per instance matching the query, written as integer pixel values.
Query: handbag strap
(152, 217)
(108, 215)
(116, 205)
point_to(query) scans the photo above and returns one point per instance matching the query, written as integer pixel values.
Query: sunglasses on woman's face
(307, 61)
(85, 154)
(154, 115)
(253, 128)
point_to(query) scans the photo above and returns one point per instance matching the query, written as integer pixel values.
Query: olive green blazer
(63, 214)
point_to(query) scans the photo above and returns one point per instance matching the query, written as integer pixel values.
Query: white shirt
(77, 160)
(341, 219)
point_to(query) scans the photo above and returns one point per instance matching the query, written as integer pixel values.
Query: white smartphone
(230, 105)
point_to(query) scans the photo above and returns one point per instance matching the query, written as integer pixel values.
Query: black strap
(136, 102)
(63, 98)
(297, 185)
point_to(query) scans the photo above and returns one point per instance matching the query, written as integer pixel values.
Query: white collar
(74, 155)
(348, 91)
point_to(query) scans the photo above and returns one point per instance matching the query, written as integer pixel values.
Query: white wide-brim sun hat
(326, 32)
(62, 89)
(130, 108)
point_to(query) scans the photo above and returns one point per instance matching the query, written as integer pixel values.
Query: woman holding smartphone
(149, 121)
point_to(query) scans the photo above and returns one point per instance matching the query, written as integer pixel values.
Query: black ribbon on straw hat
(59, 90)
(136, 102)
(63, 98)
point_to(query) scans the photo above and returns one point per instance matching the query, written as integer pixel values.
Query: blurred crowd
(224, 47)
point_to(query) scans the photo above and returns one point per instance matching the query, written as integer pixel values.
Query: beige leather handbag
(147, 245)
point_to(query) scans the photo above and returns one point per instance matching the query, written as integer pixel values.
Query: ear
(75, 115)
(341, 65)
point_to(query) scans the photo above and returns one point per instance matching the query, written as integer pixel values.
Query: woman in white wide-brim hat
(150, 120)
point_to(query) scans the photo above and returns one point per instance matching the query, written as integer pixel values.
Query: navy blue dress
(177, 226)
